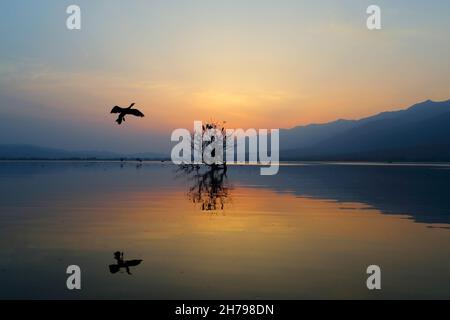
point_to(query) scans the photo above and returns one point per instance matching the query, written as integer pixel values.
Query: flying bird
(125, 111)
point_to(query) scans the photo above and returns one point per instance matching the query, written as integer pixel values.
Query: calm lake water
(308, 232)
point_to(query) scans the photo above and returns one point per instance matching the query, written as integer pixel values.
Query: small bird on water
(125, 111)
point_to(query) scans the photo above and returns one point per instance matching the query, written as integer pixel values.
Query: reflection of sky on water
(308, 232)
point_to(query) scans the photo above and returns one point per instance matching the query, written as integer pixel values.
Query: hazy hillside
(305, 136)
(35, 152)
(420, 133)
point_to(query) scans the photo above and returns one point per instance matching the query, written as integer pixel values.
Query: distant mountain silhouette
(13, 152)
(419, 133)
(309, 135)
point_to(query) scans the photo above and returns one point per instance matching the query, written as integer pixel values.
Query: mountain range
(419, 133)
(9, 152)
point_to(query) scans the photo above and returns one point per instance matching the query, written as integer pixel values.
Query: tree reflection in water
(208, 186)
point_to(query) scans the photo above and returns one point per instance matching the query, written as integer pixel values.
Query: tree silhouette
(209, 186)
(202, 141)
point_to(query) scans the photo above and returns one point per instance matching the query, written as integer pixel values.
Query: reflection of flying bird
(125, 111)
(114, 268)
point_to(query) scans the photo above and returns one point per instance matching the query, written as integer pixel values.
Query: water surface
(308, 232)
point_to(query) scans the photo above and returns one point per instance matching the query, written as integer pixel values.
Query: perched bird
(125, 111)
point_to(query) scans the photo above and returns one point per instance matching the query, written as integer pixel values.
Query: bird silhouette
(126, 264)
(125, 111)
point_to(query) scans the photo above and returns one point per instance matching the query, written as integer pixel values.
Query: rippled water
(308, 232)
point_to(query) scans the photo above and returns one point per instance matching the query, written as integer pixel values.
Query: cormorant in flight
(125, 111)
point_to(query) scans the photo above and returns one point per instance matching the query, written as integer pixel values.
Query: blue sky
(253, 63)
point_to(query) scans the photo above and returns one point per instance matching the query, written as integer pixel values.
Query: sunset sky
(253, 63)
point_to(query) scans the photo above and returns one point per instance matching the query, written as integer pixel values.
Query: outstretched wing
(116, 109)
(133, 263)
(136, 112)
